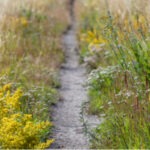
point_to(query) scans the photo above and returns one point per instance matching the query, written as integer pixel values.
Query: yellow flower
(19, 130)
(7, 87)
(13, 101)
(27, 117)
(44, 145)
(24, 21)
(90, 36)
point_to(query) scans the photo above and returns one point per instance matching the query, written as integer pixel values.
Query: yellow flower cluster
(94, 40)
(19, 130)
(22, 21)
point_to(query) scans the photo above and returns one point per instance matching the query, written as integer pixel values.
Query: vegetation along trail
(69, 130)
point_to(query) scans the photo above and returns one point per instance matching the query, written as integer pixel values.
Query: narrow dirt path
(68, 131)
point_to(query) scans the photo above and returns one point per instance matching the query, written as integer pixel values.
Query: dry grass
(41, 46)
(30, 51)
(115, 42)
(115, 6)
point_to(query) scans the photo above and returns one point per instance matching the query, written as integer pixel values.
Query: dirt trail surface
(68, 131)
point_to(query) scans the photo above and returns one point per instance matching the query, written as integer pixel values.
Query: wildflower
(7, 87)
(44, 145)
(19, 130)
(24, 21)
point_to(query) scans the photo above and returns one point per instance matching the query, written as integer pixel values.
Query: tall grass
(31, 54)
(115, 42)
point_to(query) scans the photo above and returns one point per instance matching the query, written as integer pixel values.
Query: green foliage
(120, 131)
(119, 79)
